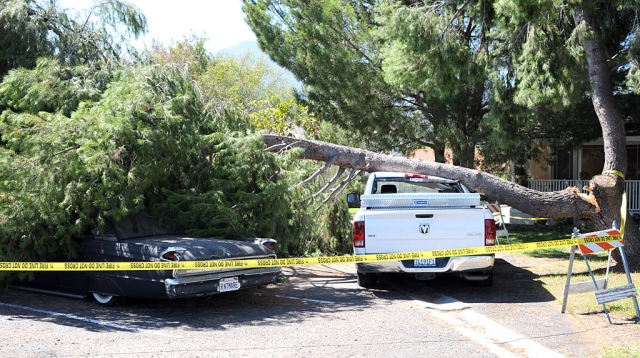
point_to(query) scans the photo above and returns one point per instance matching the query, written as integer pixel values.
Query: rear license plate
(430, 262)
(228, 284)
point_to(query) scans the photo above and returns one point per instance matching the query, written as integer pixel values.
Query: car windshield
(140, 225)
(415, 186)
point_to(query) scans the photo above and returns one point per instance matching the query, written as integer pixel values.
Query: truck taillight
(489, 232)
(358, 234)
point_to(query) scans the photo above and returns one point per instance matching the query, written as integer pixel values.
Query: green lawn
(551, 268)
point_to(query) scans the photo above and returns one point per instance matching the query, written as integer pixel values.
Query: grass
(551, 267)
(622, 352)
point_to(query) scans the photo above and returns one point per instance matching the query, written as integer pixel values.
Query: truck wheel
(106, 300)
(488, 282)
(367, 280)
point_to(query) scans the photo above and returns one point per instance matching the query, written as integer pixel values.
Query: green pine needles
(147, 143)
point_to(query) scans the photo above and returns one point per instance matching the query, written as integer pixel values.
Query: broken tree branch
(558, 204)
(342, 185)
(330, 182)
(318, 172)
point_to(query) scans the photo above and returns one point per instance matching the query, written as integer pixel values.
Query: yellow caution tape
(623, 209)
(614, 172)
(623, 212)
(307, 261)
(520, 218)
(531, 219)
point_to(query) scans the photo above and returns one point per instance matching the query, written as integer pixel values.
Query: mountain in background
(243, 48)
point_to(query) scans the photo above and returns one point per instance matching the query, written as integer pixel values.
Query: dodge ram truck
(401, 212)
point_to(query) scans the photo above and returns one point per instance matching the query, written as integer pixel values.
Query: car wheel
(106, 300)
(488, 282)
(367, 280)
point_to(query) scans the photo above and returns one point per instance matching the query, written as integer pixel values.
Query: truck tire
(367, 280)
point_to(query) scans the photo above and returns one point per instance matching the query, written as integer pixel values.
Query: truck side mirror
(353, 200)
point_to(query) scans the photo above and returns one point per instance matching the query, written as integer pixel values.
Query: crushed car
(138, 237)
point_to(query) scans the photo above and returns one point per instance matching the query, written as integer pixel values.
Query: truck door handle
(424, 216)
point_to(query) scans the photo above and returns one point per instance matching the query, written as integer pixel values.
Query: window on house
(592, 161)
(564, 164)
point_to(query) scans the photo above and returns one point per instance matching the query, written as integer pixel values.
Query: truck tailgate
(422, 230)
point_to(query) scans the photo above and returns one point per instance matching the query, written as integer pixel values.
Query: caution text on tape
(307, 261)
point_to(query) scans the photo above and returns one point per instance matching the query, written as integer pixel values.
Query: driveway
(318, 311)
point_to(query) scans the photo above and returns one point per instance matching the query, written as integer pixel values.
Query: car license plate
(430, 262)
(228, 284)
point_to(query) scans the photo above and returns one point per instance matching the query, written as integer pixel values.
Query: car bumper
(481, 263)
(208, 284)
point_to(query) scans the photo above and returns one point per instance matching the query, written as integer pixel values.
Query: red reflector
(416, 176)
(489, 232)
(358, 234)
(170, 255)
(271, 245)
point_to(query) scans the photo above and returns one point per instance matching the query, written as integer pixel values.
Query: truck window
(409, 186)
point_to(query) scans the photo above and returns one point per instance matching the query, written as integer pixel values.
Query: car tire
(488, 282)
(367, 280)
(106, 300)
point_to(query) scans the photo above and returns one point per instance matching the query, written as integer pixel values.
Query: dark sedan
(138, 238)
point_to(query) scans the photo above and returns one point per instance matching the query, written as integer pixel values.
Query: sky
(221, 21)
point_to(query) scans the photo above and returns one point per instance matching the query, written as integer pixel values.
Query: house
(572, 167)
(575, 167)
(430, 156)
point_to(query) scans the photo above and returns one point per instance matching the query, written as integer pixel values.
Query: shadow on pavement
(512, 284)
(309, 292)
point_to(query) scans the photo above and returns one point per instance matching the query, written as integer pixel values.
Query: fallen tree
(588, 43)
(598, 208)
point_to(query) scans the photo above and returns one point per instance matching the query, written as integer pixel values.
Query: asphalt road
(319, 311)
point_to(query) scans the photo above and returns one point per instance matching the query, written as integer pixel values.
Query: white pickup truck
(413, 212)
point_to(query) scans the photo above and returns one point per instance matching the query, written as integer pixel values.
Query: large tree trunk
(609, 187)
(570, 202)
